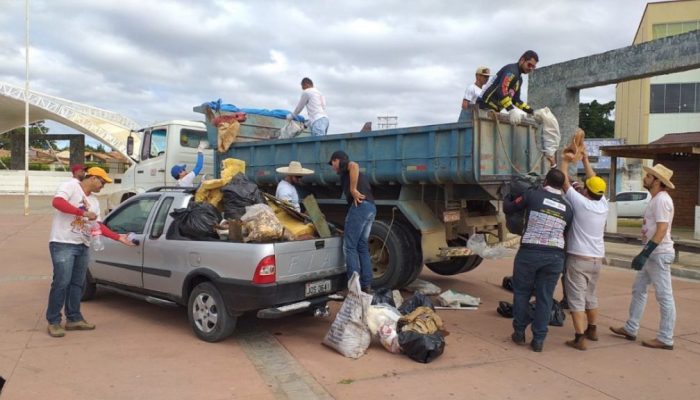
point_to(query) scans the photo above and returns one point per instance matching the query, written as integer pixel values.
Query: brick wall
(686, 172)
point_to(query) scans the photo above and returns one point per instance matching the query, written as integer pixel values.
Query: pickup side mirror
(130, 145)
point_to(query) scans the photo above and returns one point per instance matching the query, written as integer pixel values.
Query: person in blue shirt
(184, 178)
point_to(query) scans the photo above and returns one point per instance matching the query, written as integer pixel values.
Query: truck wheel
(414, 263)
(89, 288)
(207, 314)
(387, 259)
(455, 265)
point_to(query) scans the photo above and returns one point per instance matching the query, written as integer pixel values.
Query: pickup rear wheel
(207, 314)
(389, 251)
(455, 265)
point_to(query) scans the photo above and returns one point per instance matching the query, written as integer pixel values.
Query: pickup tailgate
(309, 259)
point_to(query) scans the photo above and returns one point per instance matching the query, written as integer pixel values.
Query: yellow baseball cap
(100, 173)
(596, 185)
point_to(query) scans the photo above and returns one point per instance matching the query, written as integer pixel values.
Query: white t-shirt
(287, 192)
(472, 93)
(314, 102)
(585, 237)
(69, 228)
(187, 180)
(660, 209)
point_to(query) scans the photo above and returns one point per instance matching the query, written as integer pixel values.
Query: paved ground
(142, 351)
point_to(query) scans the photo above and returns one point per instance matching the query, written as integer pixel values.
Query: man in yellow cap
(654, 261)
(585, 251)
(76, 216)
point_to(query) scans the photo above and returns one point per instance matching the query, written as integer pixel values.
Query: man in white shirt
(585, 251)
(315, 104)
(474, 90)
(77, 215)
(286, 189)
(654, 262)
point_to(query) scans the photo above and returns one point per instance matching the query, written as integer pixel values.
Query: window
(624, 197)
(191, 137)
(672, 102)
(659, 31)
(638, 196)
(159, 223)
(673, 98)
(687, 97)
(132, 216)
(157, 142)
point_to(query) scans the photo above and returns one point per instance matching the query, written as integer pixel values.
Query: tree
(34, 129)
(594, 119)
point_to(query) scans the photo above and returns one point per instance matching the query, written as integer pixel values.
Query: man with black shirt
(540, 259)
(358, 221)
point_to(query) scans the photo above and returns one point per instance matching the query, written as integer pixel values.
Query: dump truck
(435, 186)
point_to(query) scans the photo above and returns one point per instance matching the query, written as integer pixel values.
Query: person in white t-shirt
(77, 215)
(654, 261)
(180, 174)
(585, 251)
(287, 188)
(315, 103)
(473, 91)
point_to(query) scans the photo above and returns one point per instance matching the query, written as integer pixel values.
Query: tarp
(276, 113)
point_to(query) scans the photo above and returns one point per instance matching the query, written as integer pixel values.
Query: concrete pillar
(77, 149)
(611, 224)
(17, 151)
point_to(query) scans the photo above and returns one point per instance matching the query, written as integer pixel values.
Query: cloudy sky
(153, 60)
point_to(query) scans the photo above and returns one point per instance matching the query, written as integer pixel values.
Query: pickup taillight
(266, 271)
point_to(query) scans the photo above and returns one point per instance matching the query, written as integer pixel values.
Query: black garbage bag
(557, 315)
(415, 301)
(507, 283)
(239, 194)
(383, 296)
(197, 221)
(519, 185)
(505, 309)
(420, 347)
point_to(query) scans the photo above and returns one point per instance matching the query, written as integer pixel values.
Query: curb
(676, 270)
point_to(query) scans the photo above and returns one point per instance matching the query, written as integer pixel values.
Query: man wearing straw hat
(287, 188)
(654, 262)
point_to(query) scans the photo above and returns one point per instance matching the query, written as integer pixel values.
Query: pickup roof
(216, 280)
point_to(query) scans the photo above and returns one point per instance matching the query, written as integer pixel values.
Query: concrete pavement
(142, 351)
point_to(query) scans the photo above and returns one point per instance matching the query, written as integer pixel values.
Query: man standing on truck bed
(474, 90)
(315, 104)
(358, 221)
(180, 174)
(503, 90)
(540, 259)
(77, 212)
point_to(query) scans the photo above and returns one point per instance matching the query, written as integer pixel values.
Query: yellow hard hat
(596, 185)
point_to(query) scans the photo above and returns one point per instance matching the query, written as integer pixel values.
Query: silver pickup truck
(216, 280)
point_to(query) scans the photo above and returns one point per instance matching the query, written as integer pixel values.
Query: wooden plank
(317, 217)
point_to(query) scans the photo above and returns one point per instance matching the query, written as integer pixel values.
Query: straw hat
(661, 173)
(294, 169)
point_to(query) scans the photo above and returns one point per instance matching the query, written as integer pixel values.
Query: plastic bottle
(96, 239)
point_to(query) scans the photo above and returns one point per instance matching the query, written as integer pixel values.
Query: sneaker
(622, 332)
(518, 338)
(657, 344)
(591, 333)
(579, 344)
(56, 330)
(537, 346)
(81, 325)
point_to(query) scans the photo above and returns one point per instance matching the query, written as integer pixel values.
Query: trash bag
(450, 298)
(238, 194)
(291, 129)
(260, 224)
(420, 347)
(422, 320)
(549, 136)
(197, 221)
(507, 283)
(383, 296)
(349, 335)
(519, 185)
(424, 287)
(413, 302)
(477, 244)
(556, 317)
(505, 309)
(382, 314)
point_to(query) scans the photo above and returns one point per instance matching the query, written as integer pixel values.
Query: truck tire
(89, 288)
(207, 314)
(387, 259)
(414, 263)
(455, 265)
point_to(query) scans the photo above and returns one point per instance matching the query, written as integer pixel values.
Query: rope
(503, 144)
(393, 210)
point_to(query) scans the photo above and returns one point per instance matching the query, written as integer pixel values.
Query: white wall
(40, 182)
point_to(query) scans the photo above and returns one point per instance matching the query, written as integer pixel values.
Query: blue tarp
(282, 114)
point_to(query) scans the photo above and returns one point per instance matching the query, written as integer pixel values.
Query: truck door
(118, 263)
(151, 171)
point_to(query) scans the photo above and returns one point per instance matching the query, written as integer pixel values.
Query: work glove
(201, 147)
(515, 115)
(290, 117)
(641, 259)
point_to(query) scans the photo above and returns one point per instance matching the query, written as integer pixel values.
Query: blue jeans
(358, 224)
(320, 127)
(535, 271)
(69, 268)
(656, 271)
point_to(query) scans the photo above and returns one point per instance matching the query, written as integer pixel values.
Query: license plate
(450, 216)
(318, 287)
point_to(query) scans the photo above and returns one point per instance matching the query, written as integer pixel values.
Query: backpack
(518, 186)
